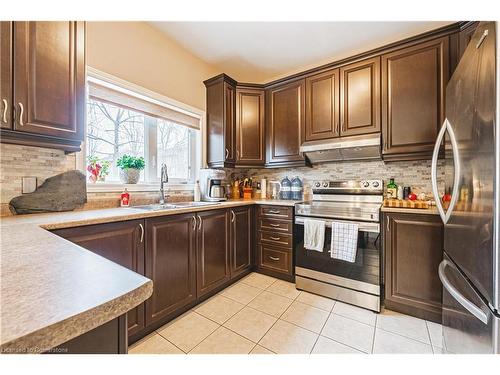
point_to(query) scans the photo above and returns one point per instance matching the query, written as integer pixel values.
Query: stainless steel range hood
(363, 147)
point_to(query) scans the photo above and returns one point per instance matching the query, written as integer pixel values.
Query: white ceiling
(262, 51)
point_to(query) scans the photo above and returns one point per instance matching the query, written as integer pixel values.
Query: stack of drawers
(275, 241)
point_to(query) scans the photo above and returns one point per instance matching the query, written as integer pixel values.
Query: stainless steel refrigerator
(469, 271)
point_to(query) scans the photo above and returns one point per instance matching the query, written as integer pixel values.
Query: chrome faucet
(163, 180)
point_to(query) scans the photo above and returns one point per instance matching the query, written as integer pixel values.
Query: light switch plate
(29, 185)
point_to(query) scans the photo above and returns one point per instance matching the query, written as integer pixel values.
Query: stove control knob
(366, 184)
(375, 184)
(317, 184)
(325, 184)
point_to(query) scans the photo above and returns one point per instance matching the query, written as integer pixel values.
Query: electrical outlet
(29, 184)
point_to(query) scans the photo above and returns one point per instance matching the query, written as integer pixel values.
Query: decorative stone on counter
(63, 192)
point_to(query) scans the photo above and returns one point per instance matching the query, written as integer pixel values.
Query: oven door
(362, 275)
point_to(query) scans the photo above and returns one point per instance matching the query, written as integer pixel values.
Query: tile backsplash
(416, 174)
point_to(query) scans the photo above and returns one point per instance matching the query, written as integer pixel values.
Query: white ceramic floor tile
(436, 333)
(306, 316)
(270, 303)
(391, 343)
(241, 293)
(258, 280)
(223, 341)
(250, 323)
(327, 346)
(284, 288)
(354, 312)
(286, 338)
(403, 325)
(188, 331)
(349, 332)
(320, 302)
(219, 308)
(154, 344)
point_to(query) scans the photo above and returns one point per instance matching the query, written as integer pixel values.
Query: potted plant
(130, 168)
(97, 168)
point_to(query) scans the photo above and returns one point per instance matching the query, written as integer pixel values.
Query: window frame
(197, 152)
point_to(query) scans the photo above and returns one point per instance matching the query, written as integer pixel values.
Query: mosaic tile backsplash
(416, 174)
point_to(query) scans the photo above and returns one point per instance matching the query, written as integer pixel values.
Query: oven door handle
(362, 226)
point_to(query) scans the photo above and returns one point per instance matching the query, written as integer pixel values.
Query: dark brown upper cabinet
(285, 106)
(48, 84)
(122, 243)
(221, 119)
(360, 97)
(250, 127)
(465, 36)
(413, 99)
(171, 264)
(6, 74)
(241, 240)
(412, 285)
(212, 250)
(322, 106)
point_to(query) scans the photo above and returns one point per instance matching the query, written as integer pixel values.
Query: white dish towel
(344, 241)
(314, 234)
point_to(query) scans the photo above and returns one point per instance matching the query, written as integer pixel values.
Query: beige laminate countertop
(53, 290)
(425, 211)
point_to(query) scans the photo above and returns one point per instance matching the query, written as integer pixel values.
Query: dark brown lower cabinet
(413, 251)
(171, 264)
(241, 240)
(122, 243)
(212, 250)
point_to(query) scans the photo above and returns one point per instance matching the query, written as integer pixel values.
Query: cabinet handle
(387, 226)
(273, 211)
(233, 216)
(275, 238)
(4, 116)
(194, 222)
(227, 153)
(21, 107)
(199, 224)
(274, 225)
(142, 232)
(237, 155)
(274, 258)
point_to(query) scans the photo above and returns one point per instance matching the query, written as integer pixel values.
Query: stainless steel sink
(172, 206)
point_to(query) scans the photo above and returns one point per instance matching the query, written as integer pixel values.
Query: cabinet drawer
(277, 211)
(275, 225)
(276, 238)
(275, 259)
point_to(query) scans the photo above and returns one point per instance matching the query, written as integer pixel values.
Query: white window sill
(101, 187)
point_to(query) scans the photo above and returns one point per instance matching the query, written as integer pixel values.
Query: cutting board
(397, 203)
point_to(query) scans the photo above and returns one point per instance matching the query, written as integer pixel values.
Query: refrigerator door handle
(445, 216)
(468, 305)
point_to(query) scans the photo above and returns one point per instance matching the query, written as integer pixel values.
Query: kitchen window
(123, 121)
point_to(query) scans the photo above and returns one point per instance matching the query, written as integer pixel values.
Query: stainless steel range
(357, 282)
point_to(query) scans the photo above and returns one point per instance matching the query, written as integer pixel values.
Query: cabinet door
(170, 263)
(322, 106)
(360, 97)
(413, 251)
(465, 37)
(6, 74)
(212, 251)
(49, 78)
(229, 123)
(285, 123)
(122, 243)
(241, 240)
(413, 90)
(250, 147)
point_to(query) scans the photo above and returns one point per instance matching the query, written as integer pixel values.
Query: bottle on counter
(392, 189)
(286, 189)
(125, 198)
(400, 192)
(197, 191)
(263, 188)
(297, 188)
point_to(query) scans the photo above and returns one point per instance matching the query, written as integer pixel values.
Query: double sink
(172, 206)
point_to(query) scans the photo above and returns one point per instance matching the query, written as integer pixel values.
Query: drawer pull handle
(275, 238)
(274, 258)
(274, 212)
(274, 225)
